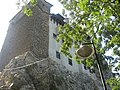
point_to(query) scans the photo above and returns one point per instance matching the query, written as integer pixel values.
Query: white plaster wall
(54, 46)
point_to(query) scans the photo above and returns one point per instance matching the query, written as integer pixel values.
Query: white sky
(8, 9)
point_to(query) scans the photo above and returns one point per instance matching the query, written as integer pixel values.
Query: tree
(98, 19)
(26, 6)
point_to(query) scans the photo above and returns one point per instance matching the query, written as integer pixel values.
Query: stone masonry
(27, 34)
(43, 75)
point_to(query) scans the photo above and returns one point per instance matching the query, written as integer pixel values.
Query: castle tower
(27, 34)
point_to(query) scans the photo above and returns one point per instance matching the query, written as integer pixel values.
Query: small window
(57, 55)
(54, 36)
(62, 40)
(70, 62)
(85, 67)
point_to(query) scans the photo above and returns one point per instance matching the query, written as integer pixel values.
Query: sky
(8, 9)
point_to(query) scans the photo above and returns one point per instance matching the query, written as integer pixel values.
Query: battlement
(58, 19)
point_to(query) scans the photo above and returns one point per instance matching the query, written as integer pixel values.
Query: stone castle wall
(26, 33)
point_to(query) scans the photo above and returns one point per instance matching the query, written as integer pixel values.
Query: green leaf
(27, 11)
(33, 2)
(84, 20)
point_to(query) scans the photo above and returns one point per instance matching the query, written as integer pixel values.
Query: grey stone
(43, 74)
(27, 33)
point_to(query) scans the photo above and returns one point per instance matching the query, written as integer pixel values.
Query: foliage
(114, 83)
(26, 6)
(99, 19)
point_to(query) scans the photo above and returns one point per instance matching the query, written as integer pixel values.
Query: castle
(38, 34)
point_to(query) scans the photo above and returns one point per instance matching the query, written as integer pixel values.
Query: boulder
(26, 72)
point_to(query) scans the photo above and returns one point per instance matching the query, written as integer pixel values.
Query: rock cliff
(26, 72)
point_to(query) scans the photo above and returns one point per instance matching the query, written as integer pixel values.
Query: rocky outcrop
(26, 72)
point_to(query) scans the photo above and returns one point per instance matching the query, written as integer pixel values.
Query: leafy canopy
(96, 18)
(100, 19)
